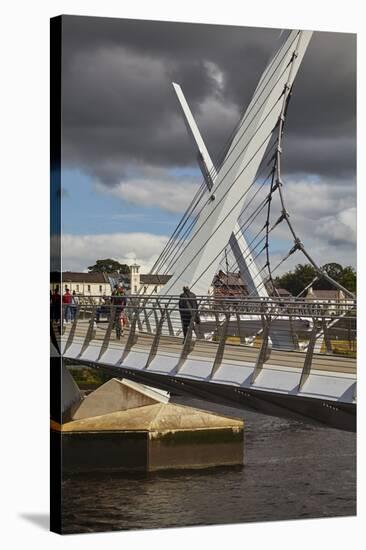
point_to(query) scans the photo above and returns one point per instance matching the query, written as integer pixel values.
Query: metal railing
(251, 330)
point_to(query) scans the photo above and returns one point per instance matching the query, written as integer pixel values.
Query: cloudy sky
(128, 170)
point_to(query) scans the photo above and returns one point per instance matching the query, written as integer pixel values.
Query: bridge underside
(337, 415)
(277, 387)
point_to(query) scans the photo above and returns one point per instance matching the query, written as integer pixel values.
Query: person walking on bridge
(67, 300)
(56, 304)
(74, 305)
(188, 308)
(119, 300)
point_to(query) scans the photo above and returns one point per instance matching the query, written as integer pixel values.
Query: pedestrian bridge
(290, 358)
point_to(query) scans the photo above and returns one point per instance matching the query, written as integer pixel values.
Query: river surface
(292, 470)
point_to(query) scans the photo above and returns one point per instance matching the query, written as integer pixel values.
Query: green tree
(348, 278)
(345, 276)
(109, 266)
(295, 281)
(334, 270)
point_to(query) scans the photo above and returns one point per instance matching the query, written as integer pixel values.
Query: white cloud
(154, 187)
(323, 214)
(216, 112)
(80, 251)
(319, 198)
(170, 196)
(339, 228)
(216, 74)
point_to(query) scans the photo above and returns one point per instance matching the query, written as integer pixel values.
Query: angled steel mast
(199, 259)
(247, 267)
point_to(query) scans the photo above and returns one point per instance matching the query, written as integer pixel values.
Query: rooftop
(325, 294)
(228, 279)
(77, 277)
(283, 292)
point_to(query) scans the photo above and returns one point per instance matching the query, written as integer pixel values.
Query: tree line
(295, 281)
(109, 266)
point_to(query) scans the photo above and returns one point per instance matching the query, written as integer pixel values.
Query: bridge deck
(316, 386)
(205, 349)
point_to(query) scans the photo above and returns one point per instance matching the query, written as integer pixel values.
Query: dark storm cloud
(120, 111)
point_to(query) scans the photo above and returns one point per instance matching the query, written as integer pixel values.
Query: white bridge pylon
(199, 259)
(247, 267)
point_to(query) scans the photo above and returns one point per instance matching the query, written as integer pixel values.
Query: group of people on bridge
(65, 307)
(70, 302)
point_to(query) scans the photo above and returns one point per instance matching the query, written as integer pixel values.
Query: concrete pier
(127, 426)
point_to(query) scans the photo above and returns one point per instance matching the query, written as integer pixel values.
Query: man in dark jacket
(56, 304)
(188, 308)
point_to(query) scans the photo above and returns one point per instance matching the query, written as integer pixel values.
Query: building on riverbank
(84, 284)
(101, 284)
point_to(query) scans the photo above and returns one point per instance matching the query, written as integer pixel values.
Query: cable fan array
(264, 197)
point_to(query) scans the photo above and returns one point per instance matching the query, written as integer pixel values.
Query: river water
(292, 470)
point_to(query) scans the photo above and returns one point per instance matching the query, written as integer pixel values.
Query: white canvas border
(24, 220)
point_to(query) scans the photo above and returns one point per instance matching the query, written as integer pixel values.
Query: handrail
(267, 323)
(221, 304)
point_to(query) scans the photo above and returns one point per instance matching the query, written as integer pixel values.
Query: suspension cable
(247, 191)
(242, 122)
(239, 174)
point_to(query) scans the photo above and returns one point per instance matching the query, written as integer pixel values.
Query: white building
(84, 284)
(98, 284)
(146, 284)
(330, 297)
